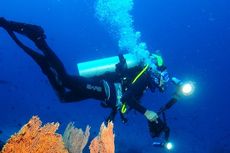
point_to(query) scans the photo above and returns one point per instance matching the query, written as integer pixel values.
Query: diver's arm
(134, 93)
(133, 103)
(150, 115)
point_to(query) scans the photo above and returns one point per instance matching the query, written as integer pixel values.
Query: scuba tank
(101, 66)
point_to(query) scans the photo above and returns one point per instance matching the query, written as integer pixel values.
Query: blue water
(193, 37)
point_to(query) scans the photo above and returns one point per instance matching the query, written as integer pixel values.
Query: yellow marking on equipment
(138, 76)
(123, 109)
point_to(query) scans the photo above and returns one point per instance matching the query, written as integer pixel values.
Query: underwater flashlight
(169, 145)
(185, 88)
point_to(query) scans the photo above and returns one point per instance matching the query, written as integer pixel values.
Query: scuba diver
(120, 90)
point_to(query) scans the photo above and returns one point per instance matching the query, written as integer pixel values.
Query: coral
(104, 142)
(75, 140)
(32, 138)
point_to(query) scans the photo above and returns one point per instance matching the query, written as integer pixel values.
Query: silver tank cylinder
(101, 66)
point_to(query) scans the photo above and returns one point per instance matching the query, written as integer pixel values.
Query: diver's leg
(33, 32)
(53, 59)
(36, 34)
(41, 60)
(86, 88)
(81, 88)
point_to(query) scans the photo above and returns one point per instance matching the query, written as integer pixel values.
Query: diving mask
(165, 76)
(160, 77)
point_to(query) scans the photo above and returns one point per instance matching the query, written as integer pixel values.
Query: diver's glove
(151, 115)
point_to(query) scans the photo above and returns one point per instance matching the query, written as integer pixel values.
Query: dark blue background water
(192, 35)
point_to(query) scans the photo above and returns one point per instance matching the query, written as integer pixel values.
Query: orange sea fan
(104, 142)
(32, 138)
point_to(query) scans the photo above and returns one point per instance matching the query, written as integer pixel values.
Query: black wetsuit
(135, 91)
(76, 88)
(69, 88)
